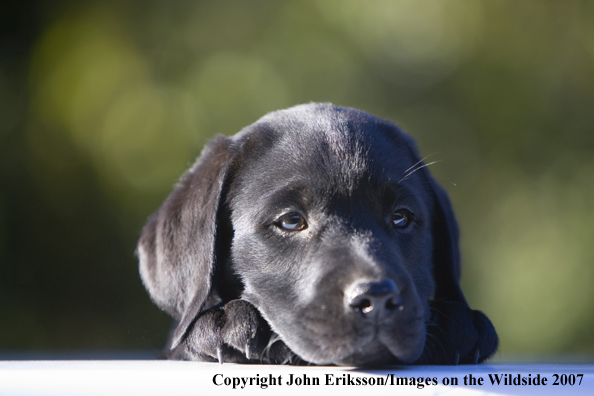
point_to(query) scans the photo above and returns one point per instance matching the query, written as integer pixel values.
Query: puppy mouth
(373, 346)
(387, 347)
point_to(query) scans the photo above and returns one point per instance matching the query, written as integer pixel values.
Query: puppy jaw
(314, 319)
(331, 335)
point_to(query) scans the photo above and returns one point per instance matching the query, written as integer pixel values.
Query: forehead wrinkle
(326, 151)
(347, 150)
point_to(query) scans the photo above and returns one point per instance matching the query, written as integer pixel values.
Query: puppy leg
(458, 335)
(235, 333)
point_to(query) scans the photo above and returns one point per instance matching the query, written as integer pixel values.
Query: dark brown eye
(292, 222)
(401, 218)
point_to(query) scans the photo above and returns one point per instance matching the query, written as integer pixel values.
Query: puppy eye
(401, 218)
(292, 222)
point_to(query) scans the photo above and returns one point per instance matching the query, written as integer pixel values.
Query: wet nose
(377, 299)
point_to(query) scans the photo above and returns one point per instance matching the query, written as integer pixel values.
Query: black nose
(374, 299)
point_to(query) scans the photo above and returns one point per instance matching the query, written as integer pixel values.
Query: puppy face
(320, 214)
(324, 222)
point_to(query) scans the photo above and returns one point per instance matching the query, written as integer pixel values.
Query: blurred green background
(103, 104)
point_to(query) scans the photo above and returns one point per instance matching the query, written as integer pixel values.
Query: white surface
(191, 378)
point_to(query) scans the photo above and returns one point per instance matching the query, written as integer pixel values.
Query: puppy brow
(289, 195)
(397, 193)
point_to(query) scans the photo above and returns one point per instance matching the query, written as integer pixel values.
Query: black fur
(368, 275)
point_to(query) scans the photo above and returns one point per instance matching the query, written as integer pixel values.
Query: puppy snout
(374, 299)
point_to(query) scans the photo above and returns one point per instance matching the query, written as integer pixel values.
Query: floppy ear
(446, 250)
(177, 247)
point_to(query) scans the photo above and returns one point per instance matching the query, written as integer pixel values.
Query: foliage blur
(103, 104)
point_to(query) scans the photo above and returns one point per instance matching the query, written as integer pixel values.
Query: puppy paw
(234, 333)
(458, 335)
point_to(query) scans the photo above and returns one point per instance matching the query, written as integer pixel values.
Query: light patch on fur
(348, 150)
(358, 246)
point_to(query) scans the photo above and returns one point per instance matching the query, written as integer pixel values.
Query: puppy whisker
(273, 339)
(407, 175)
(434, 344)
(288, 360)
(449, 317)
(419, 162)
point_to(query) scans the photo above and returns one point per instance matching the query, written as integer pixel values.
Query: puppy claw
(477, 355)
(247, 351)
(456, 359)
(220, 354)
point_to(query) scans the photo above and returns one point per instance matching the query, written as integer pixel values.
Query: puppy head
(324, 219)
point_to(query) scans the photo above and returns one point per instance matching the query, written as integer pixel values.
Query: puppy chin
(379, 351)
(380, 354)
(410, 353)
(406, 346)
(400, 345)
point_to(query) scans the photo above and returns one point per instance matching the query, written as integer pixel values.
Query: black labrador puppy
(315, 235)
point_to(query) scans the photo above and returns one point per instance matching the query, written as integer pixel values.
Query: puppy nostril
(362, 305)
(394, 303)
